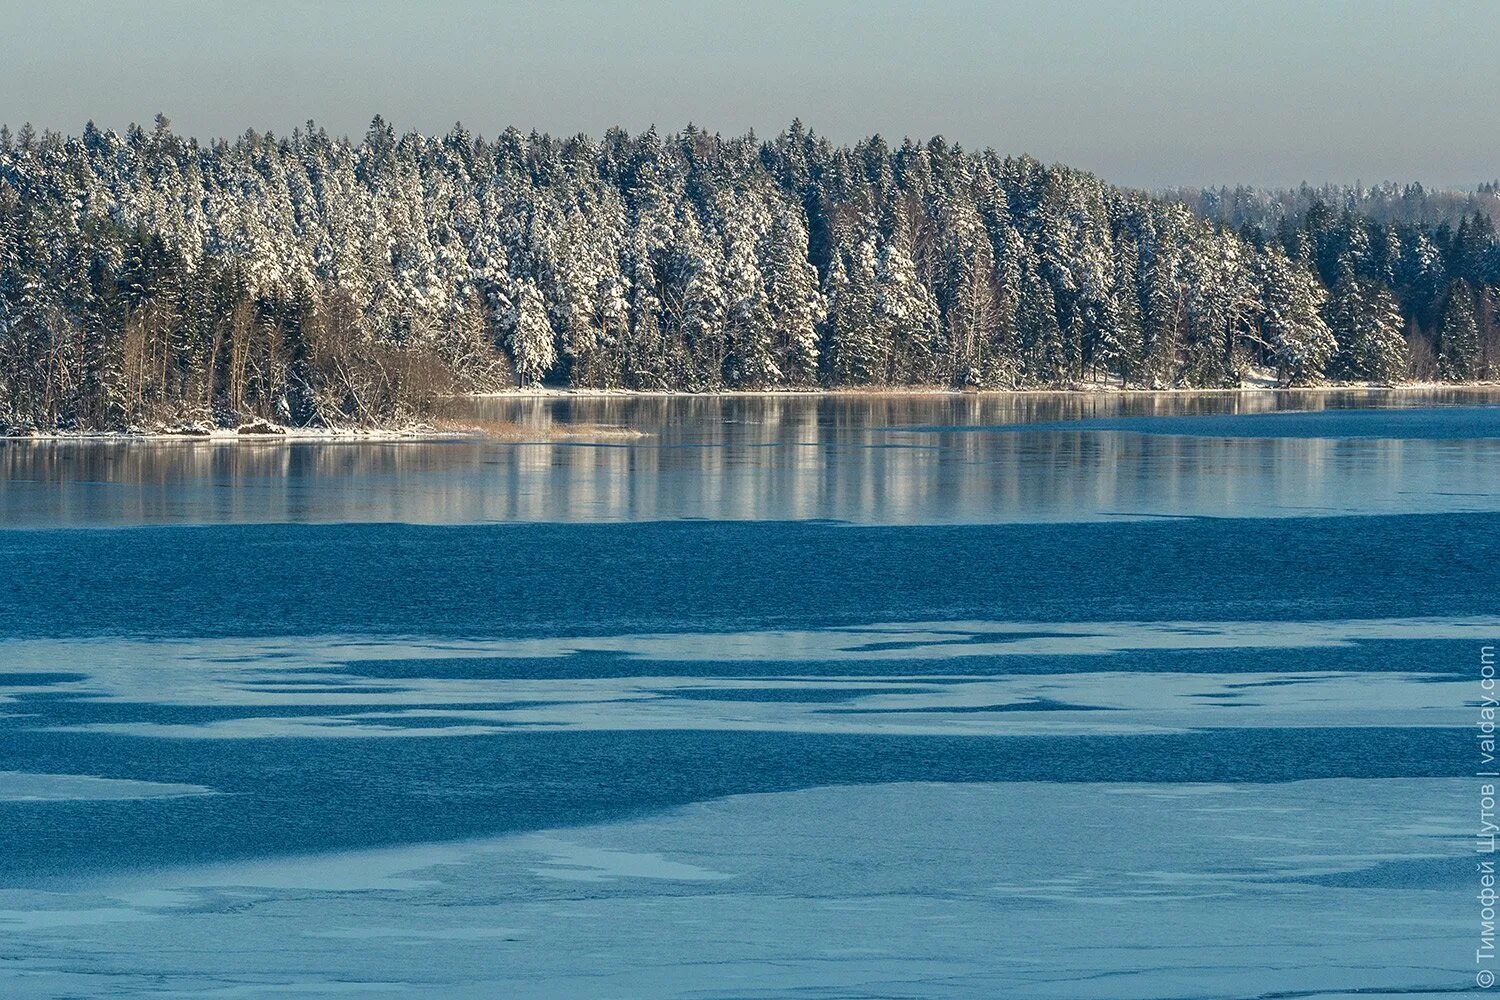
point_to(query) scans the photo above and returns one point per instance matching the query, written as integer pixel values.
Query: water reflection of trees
(767, 457)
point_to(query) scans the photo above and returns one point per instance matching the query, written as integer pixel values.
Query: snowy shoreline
(1084, 389)
(418, 433)
(230, 435)
(450, 429)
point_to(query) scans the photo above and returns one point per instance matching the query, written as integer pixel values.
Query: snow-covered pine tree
(1367, 324)
(1162, 303)
(792, 300)
(1293, 332)
(974, 318)
(701, 344)
(906, 313)
(750, 361)
(532, 341)
(858, 344)
(1458, 338)
(1044, 356)
(1125, 299)
(645, 355)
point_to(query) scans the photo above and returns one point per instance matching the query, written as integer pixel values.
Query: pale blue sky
(1143, 93)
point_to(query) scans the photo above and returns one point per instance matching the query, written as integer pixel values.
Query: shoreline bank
(548, 392)
(461, 428)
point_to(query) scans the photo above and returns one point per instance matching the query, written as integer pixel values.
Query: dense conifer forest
(147, 279)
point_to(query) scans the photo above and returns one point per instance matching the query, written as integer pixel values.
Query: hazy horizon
(1152, 96)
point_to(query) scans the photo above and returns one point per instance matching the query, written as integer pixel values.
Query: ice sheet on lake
(921, 890)
(873, 643)
(264, 678)
(20, 786)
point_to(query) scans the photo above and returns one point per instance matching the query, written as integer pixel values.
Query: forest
(148, 280)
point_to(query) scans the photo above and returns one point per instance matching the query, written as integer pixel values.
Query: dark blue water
(579, 579)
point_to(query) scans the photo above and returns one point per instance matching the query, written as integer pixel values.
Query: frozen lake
(1035, 696)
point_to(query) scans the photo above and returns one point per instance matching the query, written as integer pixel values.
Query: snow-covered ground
(272, 433)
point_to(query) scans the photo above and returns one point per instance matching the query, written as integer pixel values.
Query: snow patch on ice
(22, 786)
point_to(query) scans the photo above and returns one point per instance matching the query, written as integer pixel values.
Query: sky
(1149, 94)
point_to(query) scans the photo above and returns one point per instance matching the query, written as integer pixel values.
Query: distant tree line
(147, 279)
(1386, 204)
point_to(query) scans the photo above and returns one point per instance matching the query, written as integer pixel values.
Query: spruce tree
(1367, 324)
(750, 363)
(1294, 332)
(795, 307)
(532, 341)
(1458, 338)
(858, 344)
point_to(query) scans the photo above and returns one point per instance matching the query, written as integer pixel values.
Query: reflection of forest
(763, 457)
(651, 413)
